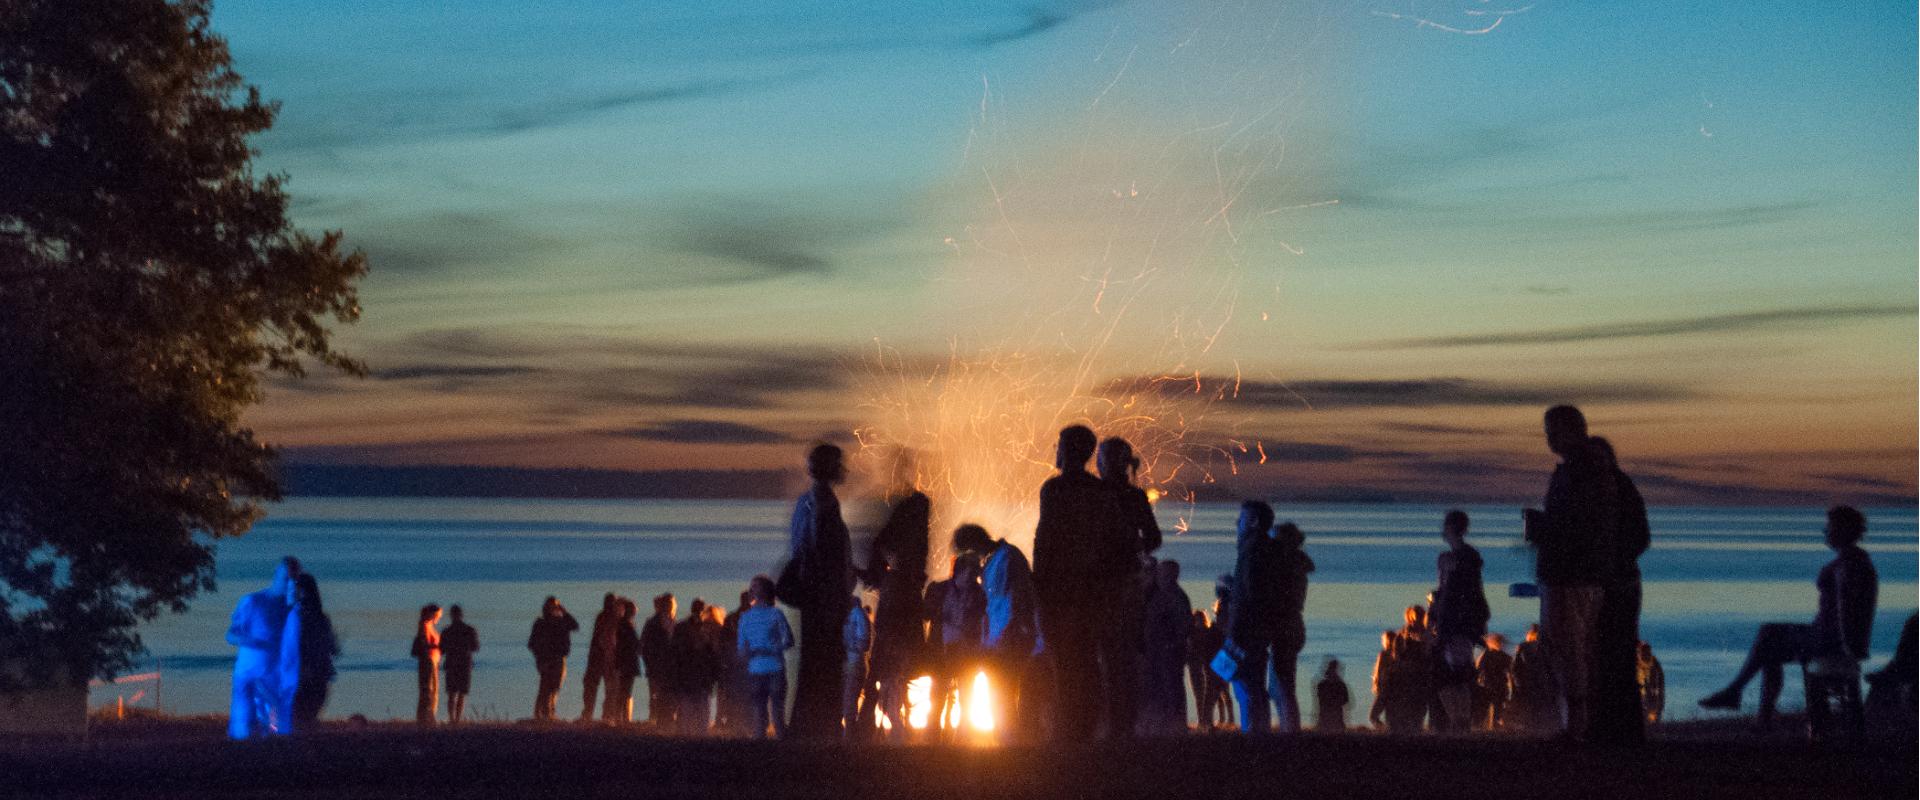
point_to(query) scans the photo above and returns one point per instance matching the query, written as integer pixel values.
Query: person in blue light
(261, 706)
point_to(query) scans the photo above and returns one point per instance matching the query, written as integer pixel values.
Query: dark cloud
(704, 431)
(763, 250)
(441, 242)
(1439, 430)
(1038, 22)
(420, 371)
(1415, 393)
(1718, 323)
(1852, 479)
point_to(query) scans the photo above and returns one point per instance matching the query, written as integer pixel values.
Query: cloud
(1718, 323)
(1439, 430)
(1866, 481)
(440, 242)
(1308, 395)
(705, 431)
(1038, 22)
(419, 371)
(765, 252)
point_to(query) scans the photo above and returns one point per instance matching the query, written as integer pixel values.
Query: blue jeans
(1250, 688)
(767, 696)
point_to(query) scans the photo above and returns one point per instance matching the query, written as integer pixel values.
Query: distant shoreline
(565, 483)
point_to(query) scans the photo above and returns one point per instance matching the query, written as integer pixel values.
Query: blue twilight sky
(642, 234)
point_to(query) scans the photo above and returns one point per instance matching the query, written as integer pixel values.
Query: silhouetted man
(1574, 539)
(656, 653)
(819, 581)
(600, 645)
(259, 620)
(1078, 582)
(1012, 626)
(551, 638)
(458, 643)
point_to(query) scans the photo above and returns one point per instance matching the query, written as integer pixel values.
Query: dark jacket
(1075, 543)
(897, 613)
(1460, 601)
(318, 647)
(1139, 529)
(552, 637)
(656, 648)
(1269, 596)
(458, 643)
(1849, 590)
(698, 656)
(820, 550)
(626, 649)
(1576, 542)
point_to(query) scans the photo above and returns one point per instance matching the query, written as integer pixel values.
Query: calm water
(1712, 576)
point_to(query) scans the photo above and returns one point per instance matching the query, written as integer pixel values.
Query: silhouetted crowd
(1094, 636)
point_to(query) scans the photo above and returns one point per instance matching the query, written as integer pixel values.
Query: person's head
(1256, 517)
(715, 616)
(1199, 618)
(746, 599)
(971, 538)
(1387, 638)
(429, 614)
(1074, 448)
(284, 575)
(1168, 572)
(1533, 632)
(1644, 651)
(1566, 430)
(1496, 642)
(456, 613)
(306, 592)
(1846, 526)
(665, 604)
(761, 590)
(1287, 535)
(1416, 617)
(551, 607)
(826, 463)
(1333, 668)
(610, 603)
(966, 568)
(629, 609)
(1454, 528)
(1117, 462)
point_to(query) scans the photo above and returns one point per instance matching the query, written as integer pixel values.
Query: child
(458, 643)
(1492, 684)
(1333, 696)
(763, 642)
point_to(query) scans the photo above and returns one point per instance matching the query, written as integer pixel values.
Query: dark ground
(189, 759)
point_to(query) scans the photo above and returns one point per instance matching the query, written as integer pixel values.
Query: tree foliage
(149, 281)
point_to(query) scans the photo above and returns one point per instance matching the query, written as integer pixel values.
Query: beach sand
(189, 759)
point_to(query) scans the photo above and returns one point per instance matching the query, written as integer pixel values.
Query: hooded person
(262, 705)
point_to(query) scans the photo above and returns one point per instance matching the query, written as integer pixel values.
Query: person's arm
(572, 624)
(1150, 536)
(1849, 581)
(1046, 538)
(785, 631)
(238, 633)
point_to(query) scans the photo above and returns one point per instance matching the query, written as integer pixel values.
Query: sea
(1712, 576)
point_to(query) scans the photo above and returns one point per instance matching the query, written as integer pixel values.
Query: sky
(1330, 249)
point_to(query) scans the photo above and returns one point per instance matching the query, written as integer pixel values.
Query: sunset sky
(636, 235)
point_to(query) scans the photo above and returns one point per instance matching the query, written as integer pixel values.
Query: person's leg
(590, 687)
(1618, 715)
(1197, 681)
(777, 703)
(816, 710)
(1250, 688)
(429, 680)
(1118, 637)
(759, 694)
(1567, 627)
(1281, 687)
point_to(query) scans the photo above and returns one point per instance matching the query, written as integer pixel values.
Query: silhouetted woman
(317, 648)
(818, 580)
(1140, 535)
(1458, 621)
(426, 652)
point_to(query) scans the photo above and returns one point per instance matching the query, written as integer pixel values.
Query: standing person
(1200, 650)
(656, 652)
(551, 639)
(1250, 614)
(426, 652)
(599, 653)
(1575, 539)
(1458, 620)
(1615, 716)
(1536, 693)
(897, 567)
(731, 707)
(1331, 697)
(260, 706)
(1842, 627)
(1411, 692)
(1219, 692)
(1169, 615)
(857, 637)
(458, 643)
(1125, 634)
(1291, 567)
(1493, 684)
(818, 581)
(624, 667)
(1653, 684)
(1078, 582)
(1012, 626)
(316, 649)
(960, 627)
(762, 642)
(695, 668)
(1384, 669)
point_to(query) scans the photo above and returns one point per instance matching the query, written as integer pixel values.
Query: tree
(149, 282)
